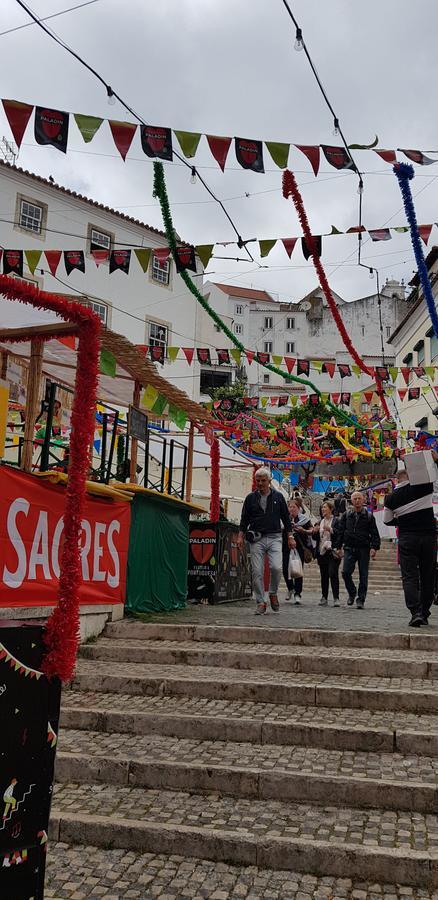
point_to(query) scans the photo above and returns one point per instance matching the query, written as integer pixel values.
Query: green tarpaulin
(158, 555)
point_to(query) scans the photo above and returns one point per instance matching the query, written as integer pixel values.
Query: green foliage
(234, 391)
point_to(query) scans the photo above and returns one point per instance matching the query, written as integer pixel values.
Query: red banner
(31, 512)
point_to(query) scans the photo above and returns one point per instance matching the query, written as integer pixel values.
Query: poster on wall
(218, 569)
(31, 534)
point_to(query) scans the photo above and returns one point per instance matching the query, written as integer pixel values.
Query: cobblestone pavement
(247, 709)
(204, 673)
(305, 760)
(381, 614)
(87, 872)
(370, 827)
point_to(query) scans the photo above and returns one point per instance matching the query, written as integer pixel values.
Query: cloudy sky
(229, 67)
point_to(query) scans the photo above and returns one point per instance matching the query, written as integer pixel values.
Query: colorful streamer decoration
(405, 173)
(290, 189)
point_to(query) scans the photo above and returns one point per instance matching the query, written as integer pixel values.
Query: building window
(268, 322)
(419, 347)
(265, 379)
(238, 329)
(100, 309)
(407, 360)
(157, 335)
(290, 323)
(388, 332)
(239, 309)
(98, 239)
(160, 271)
(362, 330)
(30, 215)
(290, 347)
(210, 380)
(433, 344)
(364, 407)
(267, 346)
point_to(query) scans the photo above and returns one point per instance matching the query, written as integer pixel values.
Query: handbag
(295, 567)
(307, 553)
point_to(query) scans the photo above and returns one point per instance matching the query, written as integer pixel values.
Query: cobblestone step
(74, 872)
(407, 694)
(322, 841)
(256, 634)
(260, 723)
(390, 780)
(328, 661)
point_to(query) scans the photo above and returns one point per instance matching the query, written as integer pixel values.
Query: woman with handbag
(301, 529)
(328, 560)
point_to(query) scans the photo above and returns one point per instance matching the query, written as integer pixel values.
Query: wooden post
(189, 475)
(134, 442)
(33, 388)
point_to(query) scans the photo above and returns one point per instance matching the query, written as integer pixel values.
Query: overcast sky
(229, 67)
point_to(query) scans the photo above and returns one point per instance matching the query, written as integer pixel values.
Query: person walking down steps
(264, 512)
(301, 530)
(327, 560)
(356, 533)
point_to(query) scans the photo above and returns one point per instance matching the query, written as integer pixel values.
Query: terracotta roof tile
(244, 293)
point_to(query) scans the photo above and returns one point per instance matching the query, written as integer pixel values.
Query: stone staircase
(303, 750)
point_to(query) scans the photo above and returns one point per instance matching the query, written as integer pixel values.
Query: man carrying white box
(409, 507)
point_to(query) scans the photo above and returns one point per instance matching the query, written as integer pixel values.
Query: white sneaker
(297, 599)
(289, 595)
(323, 602)
(336, 602)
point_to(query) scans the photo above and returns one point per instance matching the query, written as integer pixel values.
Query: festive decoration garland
(215, 503)
(62, 629)
(160, 192)
(290, 189)
(405, 173)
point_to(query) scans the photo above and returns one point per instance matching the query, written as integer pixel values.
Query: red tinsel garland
(62, 630)
(215, 504)
(290, 189)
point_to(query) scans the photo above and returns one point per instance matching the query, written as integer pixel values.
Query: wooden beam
(32, 396)
(189, 475)
(134, 441)
(43, 331)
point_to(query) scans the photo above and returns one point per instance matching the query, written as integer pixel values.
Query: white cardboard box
(420, 467)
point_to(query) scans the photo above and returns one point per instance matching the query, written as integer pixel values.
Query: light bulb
(335, 127)
(371, 275)
(299, 40)
(360, 187)
(111, 97)
(193, 176)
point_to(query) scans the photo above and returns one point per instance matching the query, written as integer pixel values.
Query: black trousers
(293, 584)
(329, 571)
(417, 556)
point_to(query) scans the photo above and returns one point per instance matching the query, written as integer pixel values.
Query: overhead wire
(62, 12)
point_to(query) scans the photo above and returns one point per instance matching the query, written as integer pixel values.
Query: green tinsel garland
(160, 192)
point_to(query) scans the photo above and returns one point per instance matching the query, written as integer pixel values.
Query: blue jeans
(269, 545)
(360, 555)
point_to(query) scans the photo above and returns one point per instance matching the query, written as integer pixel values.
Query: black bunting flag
(262, 358)
(303, 366)
(344, 370)
(223, 357)
(414, 393)
(249, 154)
(203, 355)
(51, 127)
(13, 262)
(157, 142)
(185, 259)
(382, 373)
(120, 259)
(337, 157)
(345, 398)
(74, 259)
(157, 354)
(315, 249)
(314, 399)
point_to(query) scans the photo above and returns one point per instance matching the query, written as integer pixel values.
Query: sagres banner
(31, 534)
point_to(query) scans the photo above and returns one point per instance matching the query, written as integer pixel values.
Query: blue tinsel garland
(405, 173)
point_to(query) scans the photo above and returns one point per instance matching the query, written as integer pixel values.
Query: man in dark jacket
(356, 531)
(263, 513)
(410, 508)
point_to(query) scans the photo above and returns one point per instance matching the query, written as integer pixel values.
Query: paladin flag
(51, 127)
(157, 142)
(157, 354)
(303, 366)
(120, 259)
(345, 398)
(223, 357)
(414, 393)
(418, 157)
(13, 262)
(262, 358)
(203, 355)
(382, 373)
(249, 154)
(337, 157)
(312, 249)
(185, 259)
(380, 234)
(74, 259)
(344, 370)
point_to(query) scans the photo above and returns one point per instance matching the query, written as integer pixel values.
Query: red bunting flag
(303, 398)
(290, 363)
(335, 398)
(69, 341)
(189, 353)
(250, 354)
(406, 372)
(312, 154)
(18, 115)
(424, 232)
(368, 396)
(123, 133)
(387, 155)
(402, 393)
(53, 258)
(219, 147)
(100, 256)
(289, 244)
(329, 367)
(274, 401)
